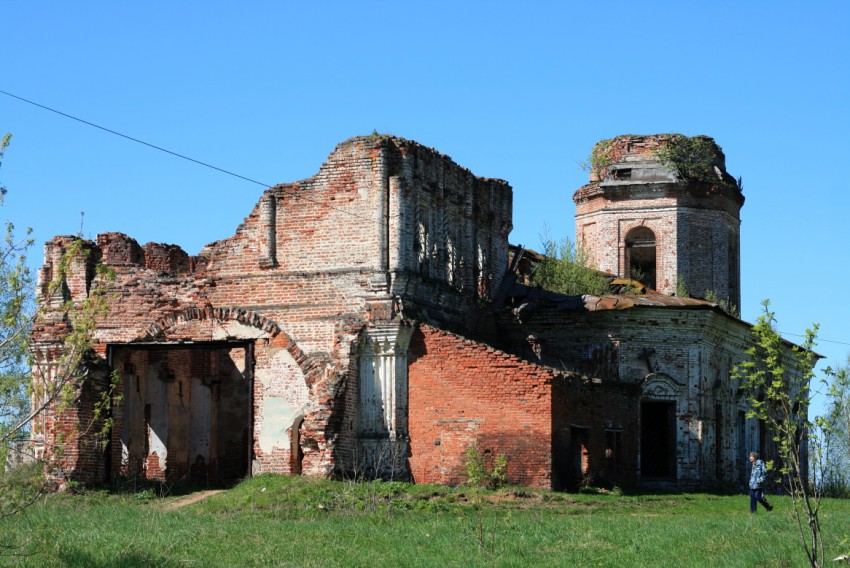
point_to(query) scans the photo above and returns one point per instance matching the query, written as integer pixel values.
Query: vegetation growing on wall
(696, 158)
(722, 303)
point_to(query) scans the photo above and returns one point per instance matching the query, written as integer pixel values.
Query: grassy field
(281, 521)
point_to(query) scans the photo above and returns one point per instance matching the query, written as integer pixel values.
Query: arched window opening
(640, 256)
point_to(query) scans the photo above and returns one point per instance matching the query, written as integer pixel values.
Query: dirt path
(189, 499)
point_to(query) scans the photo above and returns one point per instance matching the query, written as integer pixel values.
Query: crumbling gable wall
(385, 228)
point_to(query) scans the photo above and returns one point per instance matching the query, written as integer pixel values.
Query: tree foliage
(567, 269)
(16, 313)
(21, 487)
(831, 463)
(31, 381)
(775, 378)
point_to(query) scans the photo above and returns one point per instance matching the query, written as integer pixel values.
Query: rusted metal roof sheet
(624, 302)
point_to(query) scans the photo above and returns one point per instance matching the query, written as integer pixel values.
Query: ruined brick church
(372, 320)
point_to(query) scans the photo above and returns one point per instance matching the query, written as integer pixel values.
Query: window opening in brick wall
(640, 256)
(658, 440)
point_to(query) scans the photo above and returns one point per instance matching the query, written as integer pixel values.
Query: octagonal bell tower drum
(662, 209)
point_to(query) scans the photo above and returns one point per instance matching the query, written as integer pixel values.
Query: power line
(222, 170)
(176, 154)
(819, 339)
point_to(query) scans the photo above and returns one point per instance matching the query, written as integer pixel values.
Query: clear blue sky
(519, 91)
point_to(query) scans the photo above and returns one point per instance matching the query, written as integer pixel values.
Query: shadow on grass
(79, 557)
(160, 489)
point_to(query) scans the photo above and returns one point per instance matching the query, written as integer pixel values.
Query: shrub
(480, 474)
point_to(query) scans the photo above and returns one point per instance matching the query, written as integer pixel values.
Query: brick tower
(662, 209)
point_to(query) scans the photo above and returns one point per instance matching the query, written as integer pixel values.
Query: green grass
(281, 521)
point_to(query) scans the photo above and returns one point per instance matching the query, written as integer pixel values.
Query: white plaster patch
(232, 328)
(278, 417)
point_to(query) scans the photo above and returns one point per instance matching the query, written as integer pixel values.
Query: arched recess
(266, 329)
(658, 435)
(208, 384)
(640, 258)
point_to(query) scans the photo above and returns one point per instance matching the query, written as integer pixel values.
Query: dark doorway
(613, 456)
(297, 453)
(718, 442)
(658, 440)
(579, 462)
(640, 256)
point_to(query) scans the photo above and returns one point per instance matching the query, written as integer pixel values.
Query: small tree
(26, 389)
(567, 269)
(831, 463)
(775, 379)
(16, 313)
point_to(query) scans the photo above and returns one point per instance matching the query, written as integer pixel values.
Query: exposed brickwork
(348, 327)
(314, 261)
(463, 394)
(696, 224)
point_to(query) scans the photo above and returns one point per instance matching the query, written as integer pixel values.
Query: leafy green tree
(567, 269)
(21, 487)
(776, 379)
(16, 313)
(831, 463)
(26, 389)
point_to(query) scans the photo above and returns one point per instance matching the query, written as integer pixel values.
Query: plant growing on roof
(567, 269)
(695, 158)
(601, 156)
(722, 303)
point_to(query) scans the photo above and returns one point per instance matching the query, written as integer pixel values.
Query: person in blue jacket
(757, 478)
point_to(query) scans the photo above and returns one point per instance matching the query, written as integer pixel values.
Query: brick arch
(184, 315)
(310, 366)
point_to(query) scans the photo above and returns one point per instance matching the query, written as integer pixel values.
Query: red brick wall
(463, 394)
(312, 263)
